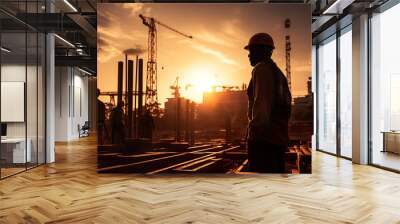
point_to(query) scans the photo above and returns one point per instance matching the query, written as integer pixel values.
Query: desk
(13, 150)
(391, 141)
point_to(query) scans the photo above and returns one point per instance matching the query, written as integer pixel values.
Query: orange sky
(215, 56)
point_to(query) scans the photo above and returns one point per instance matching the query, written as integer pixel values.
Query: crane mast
(288, 49)
(151, 97)
(151, 100)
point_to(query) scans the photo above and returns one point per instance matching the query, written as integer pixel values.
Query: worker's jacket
(269, 104)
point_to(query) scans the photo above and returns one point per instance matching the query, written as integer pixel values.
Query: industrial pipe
(140, 96)
(120, 76)
(135, 99)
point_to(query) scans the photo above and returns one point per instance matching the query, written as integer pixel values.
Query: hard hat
(261, 39)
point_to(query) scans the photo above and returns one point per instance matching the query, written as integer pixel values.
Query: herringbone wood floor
(70, 191)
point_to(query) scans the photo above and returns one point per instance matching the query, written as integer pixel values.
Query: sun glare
(197, 82)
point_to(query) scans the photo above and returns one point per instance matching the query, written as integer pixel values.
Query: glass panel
(13, 86)
(327, 96)
(346, 94)
(23, 90)
(385, 84)
(31, 98)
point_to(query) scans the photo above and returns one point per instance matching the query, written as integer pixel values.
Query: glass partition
(31, 97)
(346, 92)
(326, 95)
(22, 91)
(14, 153)
(385, 89)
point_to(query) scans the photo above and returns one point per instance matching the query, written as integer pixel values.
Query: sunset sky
(215, 55)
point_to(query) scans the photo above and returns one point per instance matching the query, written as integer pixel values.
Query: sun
(205, 82)
(198, 81)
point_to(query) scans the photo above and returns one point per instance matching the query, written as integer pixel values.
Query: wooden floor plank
(71, 191)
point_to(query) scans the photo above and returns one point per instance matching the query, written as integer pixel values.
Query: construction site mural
(204, 88)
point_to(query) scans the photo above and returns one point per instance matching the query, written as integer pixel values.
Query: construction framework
(287, 54)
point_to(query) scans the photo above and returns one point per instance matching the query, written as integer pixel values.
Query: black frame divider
(40, 52)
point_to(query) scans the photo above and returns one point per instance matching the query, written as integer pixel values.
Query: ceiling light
(5, 50)
(64, 40)
(84, 71)
(337, 7)
(70, 5)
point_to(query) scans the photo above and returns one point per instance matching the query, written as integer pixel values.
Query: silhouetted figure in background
(147, 125)
(269, 108)
(117, 124)
(101, 119)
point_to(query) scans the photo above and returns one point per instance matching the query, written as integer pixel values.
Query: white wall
(80, 95)
(71, 94)
(62, 80)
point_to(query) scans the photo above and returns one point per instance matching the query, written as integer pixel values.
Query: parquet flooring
(70, 191)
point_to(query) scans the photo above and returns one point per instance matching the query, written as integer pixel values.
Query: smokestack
(140, 94)
(120, 76)
(135, 99)
(130, 93)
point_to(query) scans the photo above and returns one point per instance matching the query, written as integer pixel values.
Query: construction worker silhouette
(117, 124)
(269, 108)
(101, 118)
(147, 125)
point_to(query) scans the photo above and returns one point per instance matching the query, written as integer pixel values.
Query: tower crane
(176, 88)
(151, 101)
(288, 49)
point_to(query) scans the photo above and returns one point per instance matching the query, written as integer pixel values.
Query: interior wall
(62, 80)
(80, 110)
(71, 102)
